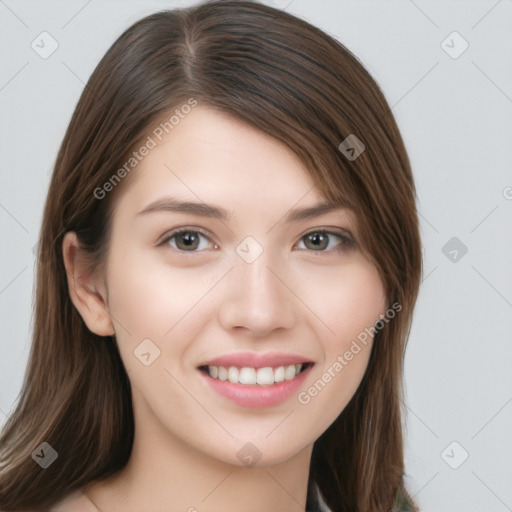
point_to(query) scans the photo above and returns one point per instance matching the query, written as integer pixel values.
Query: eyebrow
(170, 204)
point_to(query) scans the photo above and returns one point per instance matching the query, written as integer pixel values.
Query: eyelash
(346, 242)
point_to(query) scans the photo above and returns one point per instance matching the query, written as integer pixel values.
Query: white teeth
(233, 374)
(289, 372)
(279, 374)
(247, 376)
(250, 376)
(265, 377)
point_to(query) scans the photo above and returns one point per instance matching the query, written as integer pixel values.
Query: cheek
(362, 301)
(159, 302)
(349, 308)
(346, 301)
(149, 297)
(155, 300)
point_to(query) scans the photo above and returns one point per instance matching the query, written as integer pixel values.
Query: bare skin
(200, 303)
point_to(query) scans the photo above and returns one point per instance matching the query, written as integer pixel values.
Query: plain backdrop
(446, 70)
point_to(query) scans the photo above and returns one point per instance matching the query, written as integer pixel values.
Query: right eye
(186, 240)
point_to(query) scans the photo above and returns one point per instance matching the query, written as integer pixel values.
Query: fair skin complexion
(300, 295)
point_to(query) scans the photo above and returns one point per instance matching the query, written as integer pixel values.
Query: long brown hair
(289, 79)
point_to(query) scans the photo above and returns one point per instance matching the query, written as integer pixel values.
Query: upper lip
(257, 360)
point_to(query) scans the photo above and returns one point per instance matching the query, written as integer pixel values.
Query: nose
(257, 298)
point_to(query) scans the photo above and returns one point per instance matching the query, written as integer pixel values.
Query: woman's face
(259, 283)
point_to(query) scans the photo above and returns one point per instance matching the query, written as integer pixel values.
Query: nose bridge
(257, 299)
(257, 279)
(252, 266)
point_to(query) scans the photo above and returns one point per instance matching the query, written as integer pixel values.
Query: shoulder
(74, 502)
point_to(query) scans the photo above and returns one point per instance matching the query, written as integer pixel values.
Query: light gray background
(455, 116)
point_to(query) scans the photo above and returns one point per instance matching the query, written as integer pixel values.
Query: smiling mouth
(250, 376)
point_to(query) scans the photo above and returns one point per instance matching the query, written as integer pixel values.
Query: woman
(229, 261)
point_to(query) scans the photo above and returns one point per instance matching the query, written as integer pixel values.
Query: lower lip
(257, 396)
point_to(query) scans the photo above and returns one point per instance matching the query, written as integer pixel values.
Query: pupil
(318, 238)
(188, 239)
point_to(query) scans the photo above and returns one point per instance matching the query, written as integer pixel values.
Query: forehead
(211, 154)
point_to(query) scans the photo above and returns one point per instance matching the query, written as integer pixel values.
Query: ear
(86, 291)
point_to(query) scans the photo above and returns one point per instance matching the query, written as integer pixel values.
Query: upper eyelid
(173, 232)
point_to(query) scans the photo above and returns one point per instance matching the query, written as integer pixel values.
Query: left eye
(188, 240)
(318, 240)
